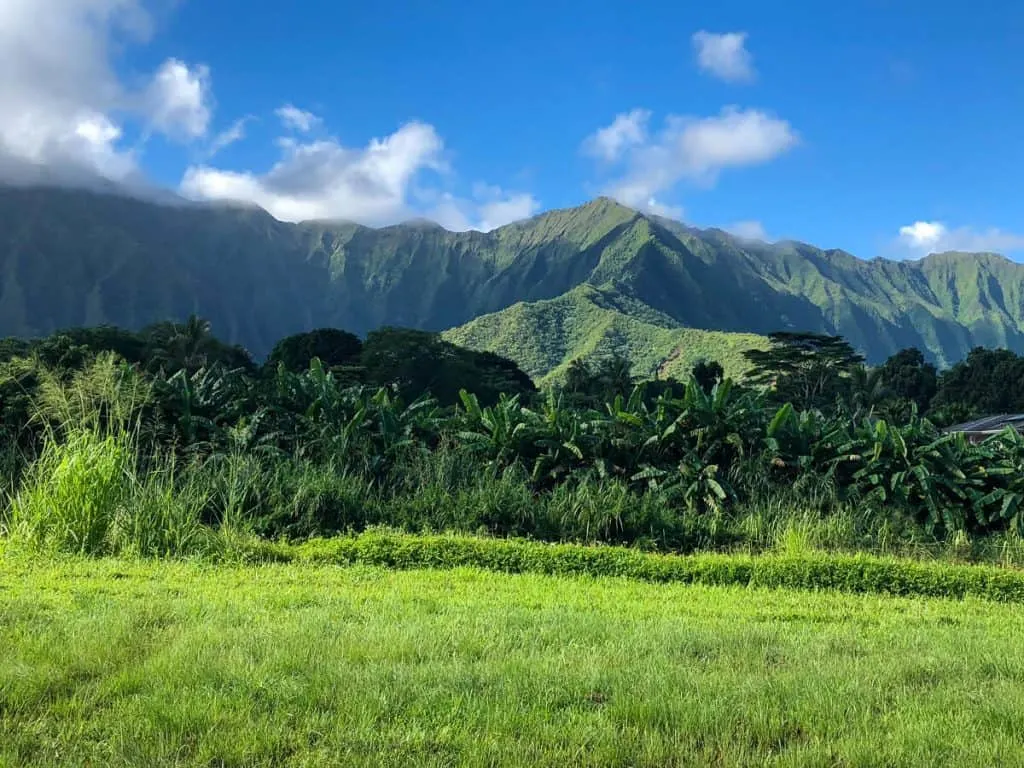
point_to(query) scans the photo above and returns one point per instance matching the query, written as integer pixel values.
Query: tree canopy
(809, 370)
(420, 361)
(332, 346)
(988, 381)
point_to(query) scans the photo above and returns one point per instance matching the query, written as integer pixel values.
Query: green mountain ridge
(72, 257)
(543, 337)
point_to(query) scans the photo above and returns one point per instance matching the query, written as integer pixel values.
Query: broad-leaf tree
(809, 370)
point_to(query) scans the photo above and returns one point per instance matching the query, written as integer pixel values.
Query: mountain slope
(543, 337)
(72, 257)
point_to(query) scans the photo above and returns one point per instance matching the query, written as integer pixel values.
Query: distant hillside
(72, 258)
(545, 336)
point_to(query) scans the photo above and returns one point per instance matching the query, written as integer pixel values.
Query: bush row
(811, 570)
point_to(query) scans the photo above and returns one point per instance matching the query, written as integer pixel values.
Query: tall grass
(86, 495)
(90, 492)
(71, 495)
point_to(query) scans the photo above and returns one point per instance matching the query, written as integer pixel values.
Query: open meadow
(111, 662)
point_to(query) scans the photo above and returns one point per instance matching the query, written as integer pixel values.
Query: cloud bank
(68, 117)
(374, 185)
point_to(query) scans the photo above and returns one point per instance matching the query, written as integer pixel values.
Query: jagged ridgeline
(574, 282)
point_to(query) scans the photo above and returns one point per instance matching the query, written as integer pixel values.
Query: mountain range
(574, 282)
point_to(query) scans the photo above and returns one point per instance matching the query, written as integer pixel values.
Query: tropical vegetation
(165, 441)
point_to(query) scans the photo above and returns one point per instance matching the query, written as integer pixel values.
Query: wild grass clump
(164, 517)
(70, 497)
(85, 495)
(89, 492)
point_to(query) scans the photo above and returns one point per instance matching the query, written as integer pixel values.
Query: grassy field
(150, 664)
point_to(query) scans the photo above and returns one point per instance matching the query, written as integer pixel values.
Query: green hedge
(846, 573)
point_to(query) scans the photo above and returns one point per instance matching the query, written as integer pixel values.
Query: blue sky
(880, 127)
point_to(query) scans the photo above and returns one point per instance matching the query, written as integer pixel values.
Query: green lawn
(112, 663)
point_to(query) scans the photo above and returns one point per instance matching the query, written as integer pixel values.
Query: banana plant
(498, 434)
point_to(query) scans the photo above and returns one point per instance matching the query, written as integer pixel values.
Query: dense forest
(147, 442)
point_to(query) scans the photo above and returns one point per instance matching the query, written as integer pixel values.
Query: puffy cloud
(658, 208)
(923, 234)
(58, 88)
(64, 105)
(924, 237)
(733, 138)
(498, 213)
(627, 130)
(296, 119)
(324, 180)
(748, 230)
(483, 212)
(494, 207)
(178, 100)
(69, 117)
(725, 56)
(372, 185)
(697, 149)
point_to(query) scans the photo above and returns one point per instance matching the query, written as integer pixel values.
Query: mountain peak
(96, 258)
(604, 201)
(601, 206)
(421, 222)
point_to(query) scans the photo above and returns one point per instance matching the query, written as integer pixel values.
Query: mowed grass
(152, 664)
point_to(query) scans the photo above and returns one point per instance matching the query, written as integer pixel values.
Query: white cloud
(58, 88)
(495, 207)
(923, 237)
(372, 185)
(488, 209)
(658, 208)
(724, 56)
(230, 135)
(65, 107)
(627, 130)
(325, 180)
(697, 150)
(498, 213)
(296, 119)
(748, 230)
(923, 234)
(68, 116)
(177, 100)
(733, 138)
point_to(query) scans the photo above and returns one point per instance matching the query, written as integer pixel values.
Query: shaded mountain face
(72, 258)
